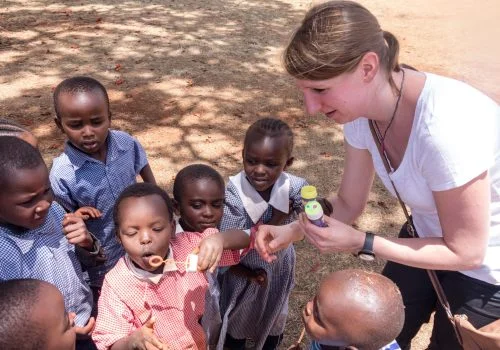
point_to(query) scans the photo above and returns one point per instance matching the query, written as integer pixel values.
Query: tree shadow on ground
(186, 78)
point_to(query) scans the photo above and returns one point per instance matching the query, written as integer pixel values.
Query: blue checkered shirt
(391, 346)
(45, 254)
(79, 180)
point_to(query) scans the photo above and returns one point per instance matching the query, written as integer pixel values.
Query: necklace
(380, 135)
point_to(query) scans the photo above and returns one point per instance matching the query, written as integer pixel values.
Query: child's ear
(58, 124)
(118, 236)
(289, 162)
(177, 208)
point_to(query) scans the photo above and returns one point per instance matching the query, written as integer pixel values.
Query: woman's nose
(312, 103)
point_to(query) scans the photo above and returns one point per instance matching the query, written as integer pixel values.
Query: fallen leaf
(119, 81)
(118, 66)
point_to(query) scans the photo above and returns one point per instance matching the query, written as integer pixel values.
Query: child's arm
(211, 247)
(87, 247)
(147, 174)
(141, 339)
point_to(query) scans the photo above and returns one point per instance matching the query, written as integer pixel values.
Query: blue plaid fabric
(79, 180)
(45, 254)
(391, 346)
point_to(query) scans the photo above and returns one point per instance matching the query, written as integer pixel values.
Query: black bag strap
(413, 232)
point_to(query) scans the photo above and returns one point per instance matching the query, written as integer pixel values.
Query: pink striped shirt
(130, 297)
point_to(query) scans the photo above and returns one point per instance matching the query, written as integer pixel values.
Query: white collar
(253, 202)
(146, 275)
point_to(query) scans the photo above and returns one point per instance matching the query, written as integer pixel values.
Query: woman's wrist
(297, 232)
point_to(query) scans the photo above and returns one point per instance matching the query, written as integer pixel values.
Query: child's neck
(185, 228)
(266, 195)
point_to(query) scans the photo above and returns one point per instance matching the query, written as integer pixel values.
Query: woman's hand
(270, 239)
(337, 237)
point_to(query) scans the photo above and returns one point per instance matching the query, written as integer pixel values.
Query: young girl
(262, 193)
(162, 306)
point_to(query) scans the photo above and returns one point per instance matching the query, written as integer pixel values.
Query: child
(162, 306)
(11, 128)
(96, 165)
(262, 193)
(355, 309)
(38, 239)
(33, 317)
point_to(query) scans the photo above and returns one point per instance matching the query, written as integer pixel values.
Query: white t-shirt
(455, 137)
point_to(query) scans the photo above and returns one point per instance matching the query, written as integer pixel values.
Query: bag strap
(413, 233)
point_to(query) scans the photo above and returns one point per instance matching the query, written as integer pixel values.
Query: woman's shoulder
(447, 95)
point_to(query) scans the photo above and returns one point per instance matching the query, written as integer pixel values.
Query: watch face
(366, 256)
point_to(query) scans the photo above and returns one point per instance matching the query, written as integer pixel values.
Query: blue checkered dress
(45, 254)
(249, 310)
(79, 180)
(314, 345)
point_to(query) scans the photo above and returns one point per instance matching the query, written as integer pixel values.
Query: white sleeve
(355, 133)
(459, 142)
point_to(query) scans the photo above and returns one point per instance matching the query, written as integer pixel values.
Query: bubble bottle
(308, 193)
(314, 213)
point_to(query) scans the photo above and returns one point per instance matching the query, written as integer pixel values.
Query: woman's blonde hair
(334, 37)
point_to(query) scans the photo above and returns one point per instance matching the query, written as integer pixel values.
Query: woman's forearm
(427, 253)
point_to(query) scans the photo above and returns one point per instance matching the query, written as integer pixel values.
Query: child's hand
(88, 213)
(326, 205)
(210, 252)
(85, 330)
(259, 276)
(145, 339)
(76, 232)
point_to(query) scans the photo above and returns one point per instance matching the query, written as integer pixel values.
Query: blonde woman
(442, 139)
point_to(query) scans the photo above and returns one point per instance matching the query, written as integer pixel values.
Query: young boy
(143, 305)
(96, 165)
(33, 317)
(355, 309)
(38, 239)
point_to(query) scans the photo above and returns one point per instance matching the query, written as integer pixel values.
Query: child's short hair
(17, 154)
(271, 127)
(11, 128)
(17, 298)
(138, 190)
(192, 173)
(371, 304)
(76, 85)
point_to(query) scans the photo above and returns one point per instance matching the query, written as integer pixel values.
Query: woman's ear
(369, 66)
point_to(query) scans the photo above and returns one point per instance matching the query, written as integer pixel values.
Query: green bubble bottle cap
(308, 192)
(313, 210)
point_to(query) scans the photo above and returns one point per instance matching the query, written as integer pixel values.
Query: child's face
(201, 206)
(318, 321)
(85, 119)
(26, 198)
(264, 159)
(58, 325)
(145, 229)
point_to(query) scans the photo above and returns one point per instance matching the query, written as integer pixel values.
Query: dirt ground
(187, 77)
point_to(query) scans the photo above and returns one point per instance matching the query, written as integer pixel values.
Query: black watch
(366, 253)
